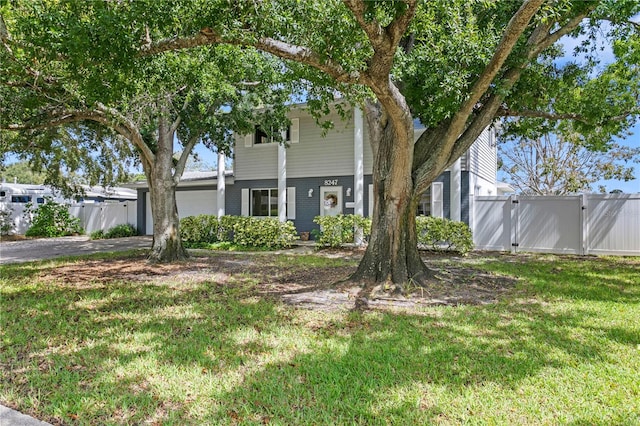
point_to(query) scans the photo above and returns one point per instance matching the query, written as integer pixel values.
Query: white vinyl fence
(93, 216)
(580, 224)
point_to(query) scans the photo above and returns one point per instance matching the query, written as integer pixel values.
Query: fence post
(513, 208)
(585, 224)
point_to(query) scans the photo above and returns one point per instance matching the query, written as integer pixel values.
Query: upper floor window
(260, 136)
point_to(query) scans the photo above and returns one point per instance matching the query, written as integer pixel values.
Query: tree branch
(551, 38)
(374, 31)
(506, 112)
(517, 24)
(103, 115)
(277, 48)
(182, 161)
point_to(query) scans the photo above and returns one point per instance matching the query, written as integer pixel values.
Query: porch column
(455, 184)
(282, 181)
(220, 190)
(358, 171)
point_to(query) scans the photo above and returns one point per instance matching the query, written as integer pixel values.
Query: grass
(564, 349)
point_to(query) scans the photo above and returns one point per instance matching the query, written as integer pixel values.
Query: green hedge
(118, 231)
(337, 230)
(440, 234)
(202, 230)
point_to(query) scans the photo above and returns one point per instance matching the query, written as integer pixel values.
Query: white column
(282, 181)
(220, 192)
(455, 184)
(358, 171)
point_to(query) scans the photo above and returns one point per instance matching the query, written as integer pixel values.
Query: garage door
(190, 203)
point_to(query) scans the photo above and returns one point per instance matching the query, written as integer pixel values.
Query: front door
(330, 200)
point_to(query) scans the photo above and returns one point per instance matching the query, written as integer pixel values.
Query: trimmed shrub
(337, 230)
(121, 231)
(118, 231)
(52, 219)
(97, 235)
(440, 234)
(203, 230)
(264, 232)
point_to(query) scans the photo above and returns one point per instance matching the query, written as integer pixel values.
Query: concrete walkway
(48, 248)
(9, 417)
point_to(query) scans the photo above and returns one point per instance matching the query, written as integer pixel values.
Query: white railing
(580, 224)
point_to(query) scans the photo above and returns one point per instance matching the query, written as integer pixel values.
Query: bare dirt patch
(279, 276)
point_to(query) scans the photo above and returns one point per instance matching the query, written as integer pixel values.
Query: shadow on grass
(209, 353)
(579, 278)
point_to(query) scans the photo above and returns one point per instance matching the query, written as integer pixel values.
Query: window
(264, 202)
(40, 200)
(2, 193)
(20, 198)
(424, 208)
(261, 137)
(431, 203)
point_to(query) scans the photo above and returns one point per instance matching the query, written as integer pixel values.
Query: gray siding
(482, 158)
(306, 207)
(317, 155)
(465, 186)
(255, 162)
(314, 155)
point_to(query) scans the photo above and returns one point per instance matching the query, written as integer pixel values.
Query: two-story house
(319, 174)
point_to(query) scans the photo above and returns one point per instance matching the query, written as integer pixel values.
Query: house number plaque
(330, 182)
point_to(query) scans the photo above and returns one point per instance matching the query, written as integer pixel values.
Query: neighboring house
(319, 174)
(15, 197)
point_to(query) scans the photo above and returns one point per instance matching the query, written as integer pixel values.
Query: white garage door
(190, 203)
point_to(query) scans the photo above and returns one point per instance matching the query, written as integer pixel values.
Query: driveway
(48, 248)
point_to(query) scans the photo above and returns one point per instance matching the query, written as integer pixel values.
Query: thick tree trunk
(167, 244)
(392, 255)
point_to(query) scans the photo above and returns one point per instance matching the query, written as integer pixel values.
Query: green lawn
(563, 349)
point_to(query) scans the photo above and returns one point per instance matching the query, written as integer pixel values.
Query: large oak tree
(458, 66)
(71, 104)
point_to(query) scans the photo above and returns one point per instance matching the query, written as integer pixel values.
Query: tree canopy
(76, 106)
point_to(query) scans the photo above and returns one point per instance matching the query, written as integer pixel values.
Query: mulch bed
(312, 288)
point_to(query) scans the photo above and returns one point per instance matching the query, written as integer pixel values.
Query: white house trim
(358, 151)
(282, 181)
(456, 182)
(221, 185)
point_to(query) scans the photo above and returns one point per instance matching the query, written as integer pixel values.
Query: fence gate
(580, 224)
(548, 224)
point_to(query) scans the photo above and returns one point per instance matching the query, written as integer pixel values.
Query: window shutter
(437, 202)
(295, 130)
(370, 212)
(291, 202)
(244, 209)
(248, 140)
